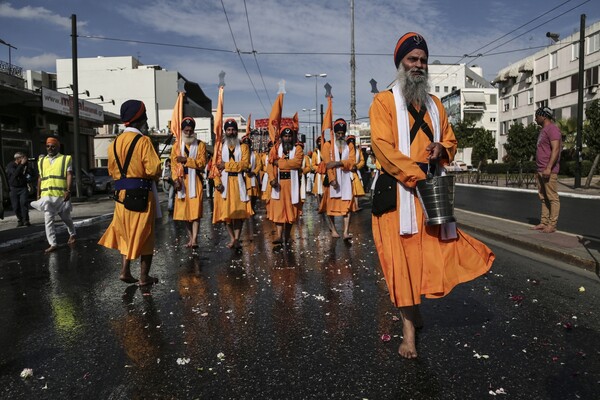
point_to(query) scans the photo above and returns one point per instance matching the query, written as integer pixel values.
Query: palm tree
(568, 128)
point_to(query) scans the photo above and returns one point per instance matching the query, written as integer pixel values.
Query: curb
(587, 264)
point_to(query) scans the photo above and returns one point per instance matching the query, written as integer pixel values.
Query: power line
(254, 54)
(242, 61)
(154, 43)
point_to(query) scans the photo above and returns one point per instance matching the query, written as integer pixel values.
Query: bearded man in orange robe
(191, 154)
(285, 202)
(409, 130)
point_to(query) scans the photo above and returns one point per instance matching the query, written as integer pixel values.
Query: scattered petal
(581, 289)
(386, 338)
(221, 356)
(183, 361)
(26, 373)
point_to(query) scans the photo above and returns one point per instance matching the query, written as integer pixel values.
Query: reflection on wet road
(303, 321)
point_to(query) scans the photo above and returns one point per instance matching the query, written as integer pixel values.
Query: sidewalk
(569, 248)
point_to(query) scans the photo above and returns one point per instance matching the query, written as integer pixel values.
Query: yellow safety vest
(53, 176)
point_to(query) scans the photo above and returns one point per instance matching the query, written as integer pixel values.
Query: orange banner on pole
(175, 127)
(275, 118)
(328, 124)
(218, 131)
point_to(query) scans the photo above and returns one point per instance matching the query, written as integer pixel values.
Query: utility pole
(76, 168)
(352, 67)
(578, 144)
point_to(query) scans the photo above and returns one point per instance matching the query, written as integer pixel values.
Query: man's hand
(332, 164)
(67, 195)
(436, 151)
(546, 173)
(221, 166)
(250, 174)
(24, 160)
(181, 159)
(334, 184)
(220, 188)
(275, 185)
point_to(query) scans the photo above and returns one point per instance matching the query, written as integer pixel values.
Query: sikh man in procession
(54, 193)
(306, 168)
(188, 201)
(136, 204)
(252, 173)
(285, 171)
(338, 199)
(357, 184)
(409, 130)
(265, 180)
(317, 157)
(231, 203)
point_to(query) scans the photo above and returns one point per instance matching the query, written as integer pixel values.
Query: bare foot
(335, 234)
(71, 239)
(188, 245)
(127, 278)
(231, 244)
(549, 229)
(539, 227)
(50, 249)
(347, 236)
(408, 348)
(149, 281)
(278, 241)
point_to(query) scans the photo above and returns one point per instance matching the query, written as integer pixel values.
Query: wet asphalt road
(298, 323)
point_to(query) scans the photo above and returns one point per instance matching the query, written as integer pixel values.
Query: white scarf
(237, 156)
(358, 156)
(191, 171)
(303, 180)
(343, 178)
(319, 177)
(293, 175)
(252, 168)
(265, 178)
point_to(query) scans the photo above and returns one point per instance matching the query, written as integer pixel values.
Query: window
(493, 99)
(515, 100)
(445, 89)
(503, 128)
(553, 89)
(530, 120)
(453, 88)
(575, 51)
(553, 60)
(558, 113)
(574, 82)
(530, 96)
(591, 76)
(437, 89)
(492, 119)
(543, 103)
(542, 77)
(593, 43)
(506, 105)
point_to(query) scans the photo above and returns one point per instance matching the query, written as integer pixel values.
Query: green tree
(521, 142)
(464, 132)
(568, 129)
(484, 147)
(591, 136)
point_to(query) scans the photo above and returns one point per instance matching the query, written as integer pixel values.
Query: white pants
(49, 216)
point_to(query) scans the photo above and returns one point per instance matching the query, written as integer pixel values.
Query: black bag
(326, 180)
(385, 194)
(136, 199)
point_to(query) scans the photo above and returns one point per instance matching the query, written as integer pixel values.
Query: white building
(548, 78)
(117, 79)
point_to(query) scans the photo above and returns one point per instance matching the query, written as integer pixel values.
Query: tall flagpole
(352, 67)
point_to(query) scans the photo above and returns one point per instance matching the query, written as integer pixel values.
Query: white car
(456, 166)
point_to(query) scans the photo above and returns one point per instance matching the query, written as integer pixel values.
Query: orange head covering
(52, 140)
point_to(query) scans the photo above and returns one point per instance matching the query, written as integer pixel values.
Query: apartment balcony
(11, 69)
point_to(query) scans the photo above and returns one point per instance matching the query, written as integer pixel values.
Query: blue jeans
(20, 203)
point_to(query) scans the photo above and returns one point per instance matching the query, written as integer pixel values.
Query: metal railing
(11, 69)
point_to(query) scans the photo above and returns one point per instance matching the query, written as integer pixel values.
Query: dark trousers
(20, 203)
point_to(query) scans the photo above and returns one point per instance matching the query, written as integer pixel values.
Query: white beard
(340, 144)
(231, 141)
(189, 139)
(414, 88)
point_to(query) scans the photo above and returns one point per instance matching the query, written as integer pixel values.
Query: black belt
(133, 183)
(285, 175)
(232, 174)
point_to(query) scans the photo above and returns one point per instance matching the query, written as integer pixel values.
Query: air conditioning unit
(529, 80)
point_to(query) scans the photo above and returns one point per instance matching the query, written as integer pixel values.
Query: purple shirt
(544, 148)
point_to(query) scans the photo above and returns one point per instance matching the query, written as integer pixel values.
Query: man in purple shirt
(547, 158)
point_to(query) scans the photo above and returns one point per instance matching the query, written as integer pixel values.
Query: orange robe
(357, 186)
(337, 206)
(316, 160)
(190, 209)
(282, 210)
(131, 232)
(422, 263)
(232, 207)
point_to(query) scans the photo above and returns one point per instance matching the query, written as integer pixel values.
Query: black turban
(132, 111)
(230, 123)
(340, 125)
(407, 43)
(188, 121)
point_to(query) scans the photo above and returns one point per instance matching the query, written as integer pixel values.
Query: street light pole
(316, 76)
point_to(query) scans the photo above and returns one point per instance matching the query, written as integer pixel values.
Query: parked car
(457, 166)
(88, 183)
(104, 182)
(4, 196)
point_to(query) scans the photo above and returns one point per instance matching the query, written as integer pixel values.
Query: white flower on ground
(26, 373)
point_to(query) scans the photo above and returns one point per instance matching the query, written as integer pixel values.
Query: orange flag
(249, 125)
(295, 124)
(218, 130)
(275, 118)
(175, 127)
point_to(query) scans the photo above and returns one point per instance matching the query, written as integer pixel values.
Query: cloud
(45, 62)
(37, 14)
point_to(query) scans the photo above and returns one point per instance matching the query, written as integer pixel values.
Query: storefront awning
(474, 97)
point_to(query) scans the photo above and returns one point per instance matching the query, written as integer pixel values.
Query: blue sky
(41, 32)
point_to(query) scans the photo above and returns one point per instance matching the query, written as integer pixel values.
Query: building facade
(548, 78)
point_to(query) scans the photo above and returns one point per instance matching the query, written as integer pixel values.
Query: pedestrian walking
(18, 172)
